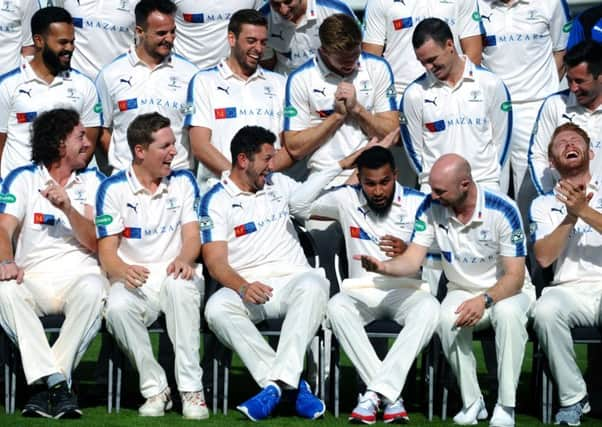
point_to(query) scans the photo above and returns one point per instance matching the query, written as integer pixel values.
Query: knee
(547, 311)
(427, 309)
(116, 308)
(184, 290)
(337, 306)
(220, 307)
(507, 311)
(9, 291)
(312, 289)
(93, 288)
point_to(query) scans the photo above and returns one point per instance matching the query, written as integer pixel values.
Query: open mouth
(571, 155)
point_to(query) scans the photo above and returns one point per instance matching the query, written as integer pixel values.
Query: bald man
(479, 232)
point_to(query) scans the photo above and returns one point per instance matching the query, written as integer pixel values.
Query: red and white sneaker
(395, 412)
(366, 409)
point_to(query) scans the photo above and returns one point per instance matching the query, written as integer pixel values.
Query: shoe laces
(164, 396)
(368, 401)
(195, 398)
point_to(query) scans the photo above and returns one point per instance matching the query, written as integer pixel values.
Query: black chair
(269, 328)
(378, 329)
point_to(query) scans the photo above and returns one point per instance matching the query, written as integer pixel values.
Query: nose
(573, 87)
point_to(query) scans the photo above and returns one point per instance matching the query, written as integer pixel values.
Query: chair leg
(6, 385)
(337, 375)
(13, 379)
(215, 383)
(226, 378)
(444, 404)
(430, 380)
(118, 387)
(110, 385)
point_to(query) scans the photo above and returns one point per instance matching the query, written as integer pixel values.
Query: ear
(591, 154)
(38, 41)
(231, 39)
(242, 160)
(139, 152)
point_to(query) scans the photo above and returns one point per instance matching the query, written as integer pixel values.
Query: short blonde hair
(340, 33)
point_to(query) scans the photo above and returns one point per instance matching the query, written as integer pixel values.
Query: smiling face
(247, 49)
(291, 10)
(57, 46)
(569, 153)
(158, 155)
(259, 167)
(75, 149)
(587, 89)
(156, 40)
(437, 59)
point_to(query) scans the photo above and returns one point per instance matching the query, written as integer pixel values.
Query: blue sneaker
(308, 405)
(261, 405)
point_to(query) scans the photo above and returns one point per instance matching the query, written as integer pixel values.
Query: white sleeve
(302, 194)
(15, 188)
(5, 102)
(91, 114)
(410, 117)
(539, 165)
(500, 114)
(200, 102)
(191, 198)
(213, 218)
(560, 24)
(511, 238)
(327, 205)
(106, 101)
(296, 109)
(375, 23)
(467, 25)
(540, 219)
(424, 226)
(109, 220)
(384, 86)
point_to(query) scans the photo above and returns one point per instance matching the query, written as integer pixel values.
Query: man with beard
(148, 242)
(147, 78)
(235, 93)
(293, 30)
(251, 248)
(480, 236)
(580, 104)
(377, 217)
(46, 82)
(566, 227)
(47, 210)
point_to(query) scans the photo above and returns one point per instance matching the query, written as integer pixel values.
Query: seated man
(566, 226)
(47, 208)
(479, 233)
(148, 232)
(251, 248)
(377, 217)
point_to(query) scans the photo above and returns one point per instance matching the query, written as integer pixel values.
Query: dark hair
(245, 16)
(431, 28)
(146, 7)
(568, 127)
(248, 141)
(48, 131)
(41, 20)
(374, 158)
(340, 33)
(587, 51)
(141, 129)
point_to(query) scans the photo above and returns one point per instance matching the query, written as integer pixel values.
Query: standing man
(389, 24)
(566, 228)
(148, 232)
(377, 217)
(15, 32)
(580, 104)
(103, 30)
(203, 29)
(147, 78)
(338, 100)
(455, 107)
(480, 235)
(293, 30)
(46, 82)
(524, 45)
(247, 208)
(47, 209)
(235, 93)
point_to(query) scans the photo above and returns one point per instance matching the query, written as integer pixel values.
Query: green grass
(93, 399)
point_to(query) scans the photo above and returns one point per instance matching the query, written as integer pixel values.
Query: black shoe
(37, 406)
(63, 402)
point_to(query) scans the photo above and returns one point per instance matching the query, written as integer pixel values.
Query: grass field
(92, 398)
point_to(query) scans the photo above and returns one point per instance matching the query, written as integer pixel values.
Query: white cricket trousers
(559, 309)
(79, 298)
(299, 298)
(129, 313)
(508, 318)
(416, 310)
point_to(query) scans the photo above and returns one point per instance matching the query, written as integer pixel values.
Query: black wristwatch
(488, 300)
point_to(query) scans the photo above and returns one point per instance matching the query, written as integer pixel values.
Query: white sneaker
(503, 416)
(155, 406)
(471, 415)
(194, 406)
(366, 409)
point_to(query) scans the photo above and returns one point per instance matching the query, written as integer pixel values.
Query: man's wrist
(242, 291)
(7, 261)
(488, 300)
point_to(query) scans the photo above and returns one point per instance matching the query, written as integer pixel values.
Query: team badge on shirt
(244, 229)
(225, 113)
(127, 104)
(132, 233)
(43, 219)
(401, 23)
(437, 126)
(358, 233)
(26, 117)
(195, 18)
